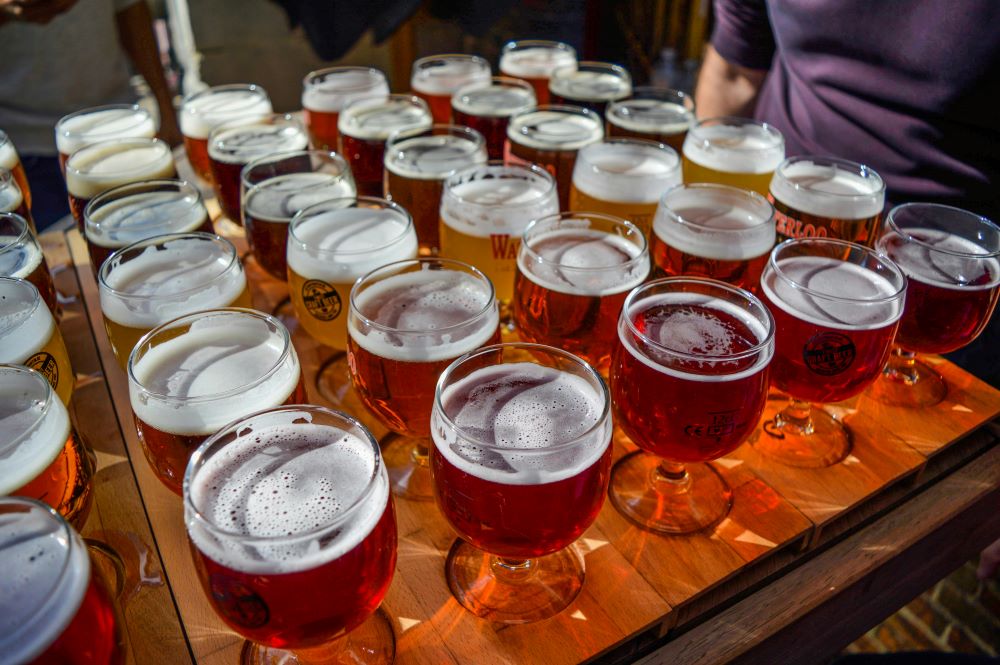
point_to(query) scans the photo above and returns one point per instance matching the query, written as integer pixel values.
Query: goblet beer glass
(836, 307)
(408, 321)
(487, 108)
(436, 78)
(951, 259)
(590, 84)
(658, 114)
(326, 92)
(521, 461)
(534, 60)
(21, 256)
(101, 123)
(733, 151)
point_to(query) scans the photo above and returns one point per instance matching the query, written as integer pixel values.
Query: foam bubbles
(443, 75)
(582, 261)
(101, 124)
(535, 61)
(433, 157)
(719, 223)
(102, 166)
(26, 325)
(626, 171)
(493, 101)
(243, 144)
(591, 86)
(331, 91)
(278, 199)
(737, 148)
(554, 130)
(487, 202)
(828, 189)
(375, 120)
(145, 214)
(215, 106)
(650, 116)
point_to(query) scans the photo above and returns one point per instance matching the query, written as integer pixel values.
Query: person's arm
(135, 32)
(725, 88)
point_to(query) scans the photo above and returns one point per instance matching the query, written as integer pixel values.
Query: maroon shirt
(909, 88)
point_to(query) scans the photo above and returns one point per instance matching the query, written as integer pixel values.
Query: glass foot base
(920, 387)
(826, 443)
(513, 592)
(694, 501)
(406, 461)
(371, 642)
(333, 381)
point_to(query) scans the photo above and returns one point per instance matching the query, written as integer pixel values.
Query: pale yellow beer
(738, 152)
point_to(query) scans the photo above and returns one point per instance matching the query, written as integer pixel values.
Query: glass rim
(656, 94)
(36, 301)
(230, 428)
(515, 130)
(332, 155)
(532, 349)
(134, 140)
(592, 65)
(62, 131)
(499, 166)
(891, 221)
(333, 205)
(756, 199)
(45, 394)
(420, 63)
(23, 236)
(633, 230)
(144, 186)
(772, 263)
(311, 80)
(250, 120)
(107, 267)
(216, 89)
(463, 92)
(436, 129)
(647, 144)
(777, 138)
(286, 351)
(5, 138)
(863, 170)
(515, 44)
(463, 267)
(718, 285)
(415, 100)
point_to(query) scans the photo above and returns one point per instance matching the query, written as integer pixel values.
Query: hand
(33, 11)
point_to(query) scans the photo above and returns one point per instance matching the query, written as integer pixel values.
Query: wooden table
(807, 560)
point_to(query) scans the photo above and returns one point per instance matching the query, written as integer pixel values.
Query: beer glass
(951, 259)
(624, 177)
(233, 145)
(102, 166)
(326, 92)
(827, 197)
(836, 307)
(436, 78)
(191, 376)
(56, 608)
(203, 111)
(407, 322)
(689, 382)
(590, 84)
(573, 272)
(29, 336)
(487, 108)
(551, 136)
(41, 457)
(364, 127)
(101, 123)
(417, 162)
(520, 461)
(21, 256)
(140, 210)
(658, 114)
(484, 211)
(293, 535)
(277, 186)
(733, 151)
(713, 231)
(11, 199)
(534, 60)
(150, 282)
(10, 160)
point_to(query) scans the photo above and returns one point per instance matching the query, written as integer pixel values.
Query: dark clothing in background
(333, 27)
(49, 202)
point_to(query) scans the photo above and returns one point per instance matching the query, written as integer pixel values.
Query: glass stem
(420, 452)
(902, 366)
(797, 417)
(511, 570)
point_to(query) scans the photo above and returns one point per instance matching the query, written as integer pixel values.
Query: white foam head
(828, 187)
(501, 98)
(203, 111)
(20, 254)
(496, 199)
(103, 123)
(591, 82)
(942, 259)
(832, 293)
(46, 572)
(535, 59)
(284, 497)
(34, 427)
(102, 166)
(522, 424)
(555, 128)
(434, 156)
(735, 145)
(10, 194)
(26, 324)
(651, 116)
(716, 222)
(242, 143)
(144, 213)
(626, 170)
(423, 316)
(159, 279)
(330, 90)
(277, 199)
(8, 154)
(376, 119)
(444, 74)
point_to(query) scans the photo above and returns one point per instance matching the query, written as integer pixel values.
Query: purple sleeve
(742, 33)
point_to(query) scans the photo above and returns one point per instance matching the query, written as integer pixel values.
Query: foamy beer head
(660, 114)
(20, 254)
(554, 129)
(500, 97)
(435, 153)
(102, 123)
(437, 77)
(243, 140)
(11, 198)
(590, 84)
(9, 158)
(826, 196)
(330, 90)
(534, 60)
(733, 151)
(34, 427)
(205, 110)
(376, 119)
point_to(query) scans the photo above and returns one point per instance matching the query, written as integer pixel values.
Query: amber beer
(484, 211)
(11, 198)
(534, 60)
(326, 92)
(292, 527)
(10, 160)
(713, 231)
(55, 606)
(826, 197)
(103, 166)
(148, 283)
(658, 114)
(573, 273)
(140, 210)
(436, 78)
(331, 245)
(733, 151)
(487, 108)
(101, 123)
(29, 336)
(590, 84)
(624, 177)
(276, 187)
(551, 136)
(416, 166)
(193, 375)
(21, 256)
(203, 111)
(41, 457)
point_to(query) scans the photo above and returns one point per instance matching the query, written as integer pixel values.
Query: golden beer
(657, 114)
(738, 152)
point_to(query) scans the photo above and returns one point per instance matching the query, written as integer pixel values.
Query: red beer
(436, 78)
(326, 92)
(590, 84)
(534, 60)
(487, 108)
